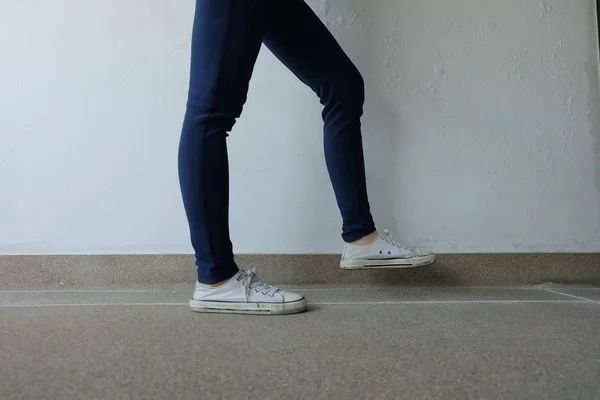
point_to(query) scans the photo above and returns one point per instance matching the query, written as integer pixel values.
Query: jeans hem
(357, 235)
(217, 274)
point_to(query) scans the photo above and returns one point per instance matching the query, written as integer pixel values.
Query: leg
(306, 47)
(226, 39)
(300, 40)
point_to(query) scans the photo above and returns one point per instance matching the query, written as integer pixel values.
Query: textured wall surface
(481, 128)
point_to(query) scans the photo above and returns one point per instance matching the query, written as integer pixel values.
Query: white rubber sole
(229, 307)
(413, 262)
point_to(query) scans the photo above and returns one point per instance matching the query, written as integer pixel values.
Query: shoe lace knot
(388, 238)
(253, 283)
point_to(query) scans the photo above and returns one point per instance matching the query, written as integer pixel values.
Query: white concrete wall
(481, 128)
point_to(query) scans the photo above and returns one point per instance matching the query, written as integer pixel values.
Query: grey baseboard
(49, 272)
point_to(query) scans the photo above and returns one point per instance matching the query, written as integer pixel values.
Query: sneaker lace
(388, 238)
(252, 282)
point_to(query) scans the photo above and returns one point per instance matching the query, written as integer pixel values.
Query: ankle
(366, 240)
(219, 283)
(214, 285)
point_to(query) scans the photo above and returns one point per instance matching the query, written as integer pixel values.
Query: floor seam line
(92, 291)
(452, 302)
(572, 295)
(409, 302)
(91, 305)
(298, 288)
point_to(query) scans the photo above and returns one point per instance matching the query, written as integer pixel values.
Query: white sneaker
(384, 252)
(246, 294)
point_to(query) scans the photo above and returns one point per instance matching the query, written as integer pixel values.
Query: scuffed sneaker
(246, 294)
(384, 252)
